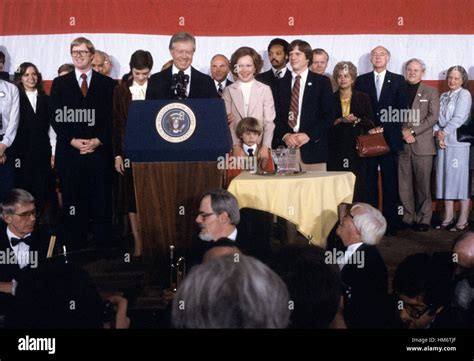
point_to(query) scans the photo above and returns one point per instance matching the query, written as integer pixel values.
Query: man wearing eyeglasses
(81, 114)
(422, 285)
(217, 218)
(21, 246)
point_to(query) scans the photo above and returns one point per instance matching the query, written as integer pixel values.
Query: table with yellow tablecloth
(309, 200)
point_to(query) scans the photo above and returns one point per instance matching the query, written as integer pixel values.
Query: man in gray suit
(416, 158)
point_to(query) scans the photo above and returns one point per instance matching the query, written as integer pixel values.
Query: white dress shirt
(348, 254)
(253, 147)
(22, 250)
(223, 84)
(175, 70)
(283, 71)
(79, 79)
(304, 76)
(233, 235)
(10, 111)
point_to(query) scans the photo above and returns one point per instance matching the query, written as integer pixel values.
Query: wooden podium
(170, 175)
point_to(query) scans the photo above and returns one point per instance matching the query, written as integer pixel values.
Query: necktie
(84, 85)
(250, 152)
(378, 86)
(294, 105)
(219, 89)
(278, 74)
(14, 241)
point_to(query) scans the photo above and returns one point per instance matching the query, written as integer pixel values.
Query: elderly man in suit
(81, 113)
(19, 239)
(181, 80)
(363, 270)
(415, 160)
(304, 106)
(388, 95)
(220, 67)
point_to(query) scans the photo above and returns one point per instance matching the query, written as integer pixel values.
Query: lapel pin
(309, 84)
(388, 81)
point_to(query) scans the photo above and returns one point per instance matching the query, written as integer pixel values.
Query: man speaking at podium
(181, 81)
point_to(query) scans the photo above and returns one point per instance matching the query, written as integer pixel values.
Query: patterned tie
(250, 152)
(378, 85)
(220, 89)
(84, 84)
(278, 74)
(294, 105)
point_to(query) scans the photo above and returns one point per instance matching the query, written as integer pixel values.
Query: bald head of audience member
(231, 292)
(102, 63)
(222, 247)
(463, 251)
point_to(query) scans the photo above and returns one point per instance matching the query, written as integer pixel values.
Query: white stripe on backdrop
(439, 52)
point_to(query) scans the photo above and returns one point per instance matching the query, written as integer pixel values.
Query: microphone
(179, 84)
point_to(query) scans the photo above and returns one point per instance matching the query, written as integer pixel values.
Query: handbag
(371, 145)
(465, 133)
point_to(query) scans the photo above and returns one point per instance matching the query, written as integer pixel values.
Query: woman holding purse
(354, 117)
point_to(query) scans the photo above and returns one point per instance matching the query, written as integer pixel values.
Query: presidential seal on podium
(175, 122)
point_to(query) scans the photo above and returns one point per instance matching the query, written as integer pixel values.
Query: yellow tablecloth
(308, 200)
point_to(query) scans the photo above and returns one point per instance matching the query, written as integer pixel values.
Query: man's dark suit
(269, 79)
(8, 272)
(159, 86)
(366, 306)
(394, 95)
(85, 179)
(317, 115)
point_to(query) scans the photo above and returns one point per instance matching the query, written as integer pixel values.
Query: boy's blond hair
(248, 124)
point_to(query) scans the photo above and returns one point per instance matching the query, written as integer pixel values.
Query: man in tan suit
(416, 159)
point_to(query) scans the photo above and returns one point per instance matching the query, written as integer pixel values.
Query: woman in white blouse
(35, 140)
(247, 97)
(134, 88)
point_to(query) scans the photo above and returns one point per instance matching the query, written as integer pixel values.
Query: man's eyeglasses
(414, 311)
(28, 214)
(204, 215)
(79, 52)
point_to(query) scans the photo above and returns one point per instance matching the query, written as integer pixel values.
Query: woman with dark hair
(452, 162)
(134, 88)
(35, 140)
(353, 116)
(247, 97)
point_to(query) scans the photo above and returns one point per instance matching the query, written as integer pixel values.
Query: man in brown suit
(416, 158)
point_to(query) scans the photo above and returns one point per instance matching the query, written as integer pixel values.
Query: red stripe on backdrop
(237, 17)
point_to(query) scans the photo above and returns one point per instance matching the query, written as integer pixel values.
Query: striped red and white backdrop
(438, 31)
